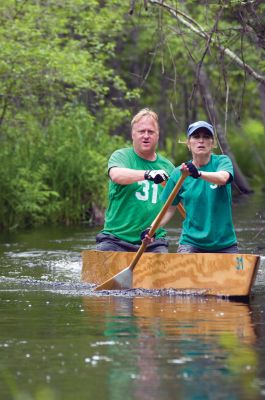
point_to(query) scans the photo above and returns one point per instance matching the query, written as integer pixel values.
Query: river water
(61, 340)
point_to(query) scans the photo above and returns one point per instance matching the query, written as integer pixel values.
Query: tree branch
(191, 24)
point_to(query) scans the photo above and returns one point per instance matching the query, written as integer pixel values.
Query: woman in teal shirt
(205, 194)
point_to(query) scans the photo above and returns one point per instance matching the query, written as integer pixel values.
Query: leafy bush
(57, 174)
(246, 146)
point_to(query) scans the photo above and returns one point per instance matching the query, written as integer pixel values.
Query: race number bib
(149, 191)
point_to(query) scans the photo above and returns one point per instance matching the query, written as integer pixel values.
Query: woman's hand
(145, 238)
(190, 169)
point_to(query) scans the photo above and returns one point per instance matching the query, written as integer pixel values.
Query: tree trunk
(95, 215)
(240, 182)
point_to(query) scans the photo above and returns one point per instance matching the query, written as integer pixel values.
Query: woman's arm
(167, 217)
(219, 178)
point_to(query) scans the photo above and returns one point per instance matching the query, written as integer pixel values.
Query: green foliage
(57, 174)
(56, 112)
(56, 53)
(170, 53)
(77, 152)
(246, 143)
(32, 201)
(71, 70)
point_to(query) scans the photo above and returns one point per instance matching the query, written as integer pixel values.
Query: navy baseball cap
(199, 125)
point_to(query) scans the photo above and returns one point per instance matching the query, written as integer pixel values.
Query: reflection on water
(135, 348)
(61, 340)
(180, 316)
(171, 344)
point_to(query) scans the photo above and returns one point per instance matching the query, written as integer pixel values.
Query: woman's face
(201, 142)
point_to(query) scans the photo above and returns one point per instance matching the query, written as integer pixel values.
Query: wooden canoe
(215, 274)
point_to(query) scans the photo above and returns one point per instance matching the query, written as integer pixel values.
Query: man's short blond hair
(142, 113)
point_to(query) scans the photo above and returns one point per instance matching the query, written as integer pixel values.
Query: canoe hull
(214, 273)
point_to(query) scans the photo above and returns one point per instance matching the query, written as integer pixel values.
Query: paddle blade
(122, 280)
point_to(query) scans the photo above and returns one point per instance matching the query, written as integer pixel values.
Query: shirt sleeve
(170, 168)
(225, 164)
(117, 159)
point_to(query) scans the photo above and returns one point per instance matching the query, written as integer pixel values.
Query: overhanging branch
(191, 24)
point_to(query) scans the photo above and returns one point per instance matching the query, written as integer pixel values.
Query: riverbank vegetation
(74, 72)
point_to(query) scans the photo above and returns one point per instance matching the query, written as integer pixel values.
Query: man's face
(145, 135)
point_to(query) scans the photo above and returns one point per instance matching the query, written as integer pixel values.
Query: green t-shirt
(132, 208)
(208, 223)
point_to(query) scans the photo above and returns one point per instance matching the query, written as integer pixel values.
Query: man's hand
(193, 170)
(157, 176)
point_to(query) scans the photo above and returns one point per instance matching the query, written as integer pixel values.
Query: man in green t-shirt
(206, 196)
(134, 189)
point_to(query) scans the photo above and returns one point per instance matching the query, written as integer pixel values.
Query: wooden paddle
(123, 280)
(180, 207)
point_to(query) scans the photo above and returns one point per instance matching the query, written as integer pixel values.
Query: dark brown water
(60, 340)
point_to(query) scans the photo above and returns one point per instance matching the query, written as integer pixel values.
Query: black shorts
(108, 242)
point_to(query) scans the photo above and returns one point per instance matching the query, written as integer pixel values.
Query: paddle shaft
(158, 219)
(180, 207)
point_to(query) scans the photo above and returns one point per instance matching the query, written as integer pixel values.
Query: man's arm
(125, 176)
